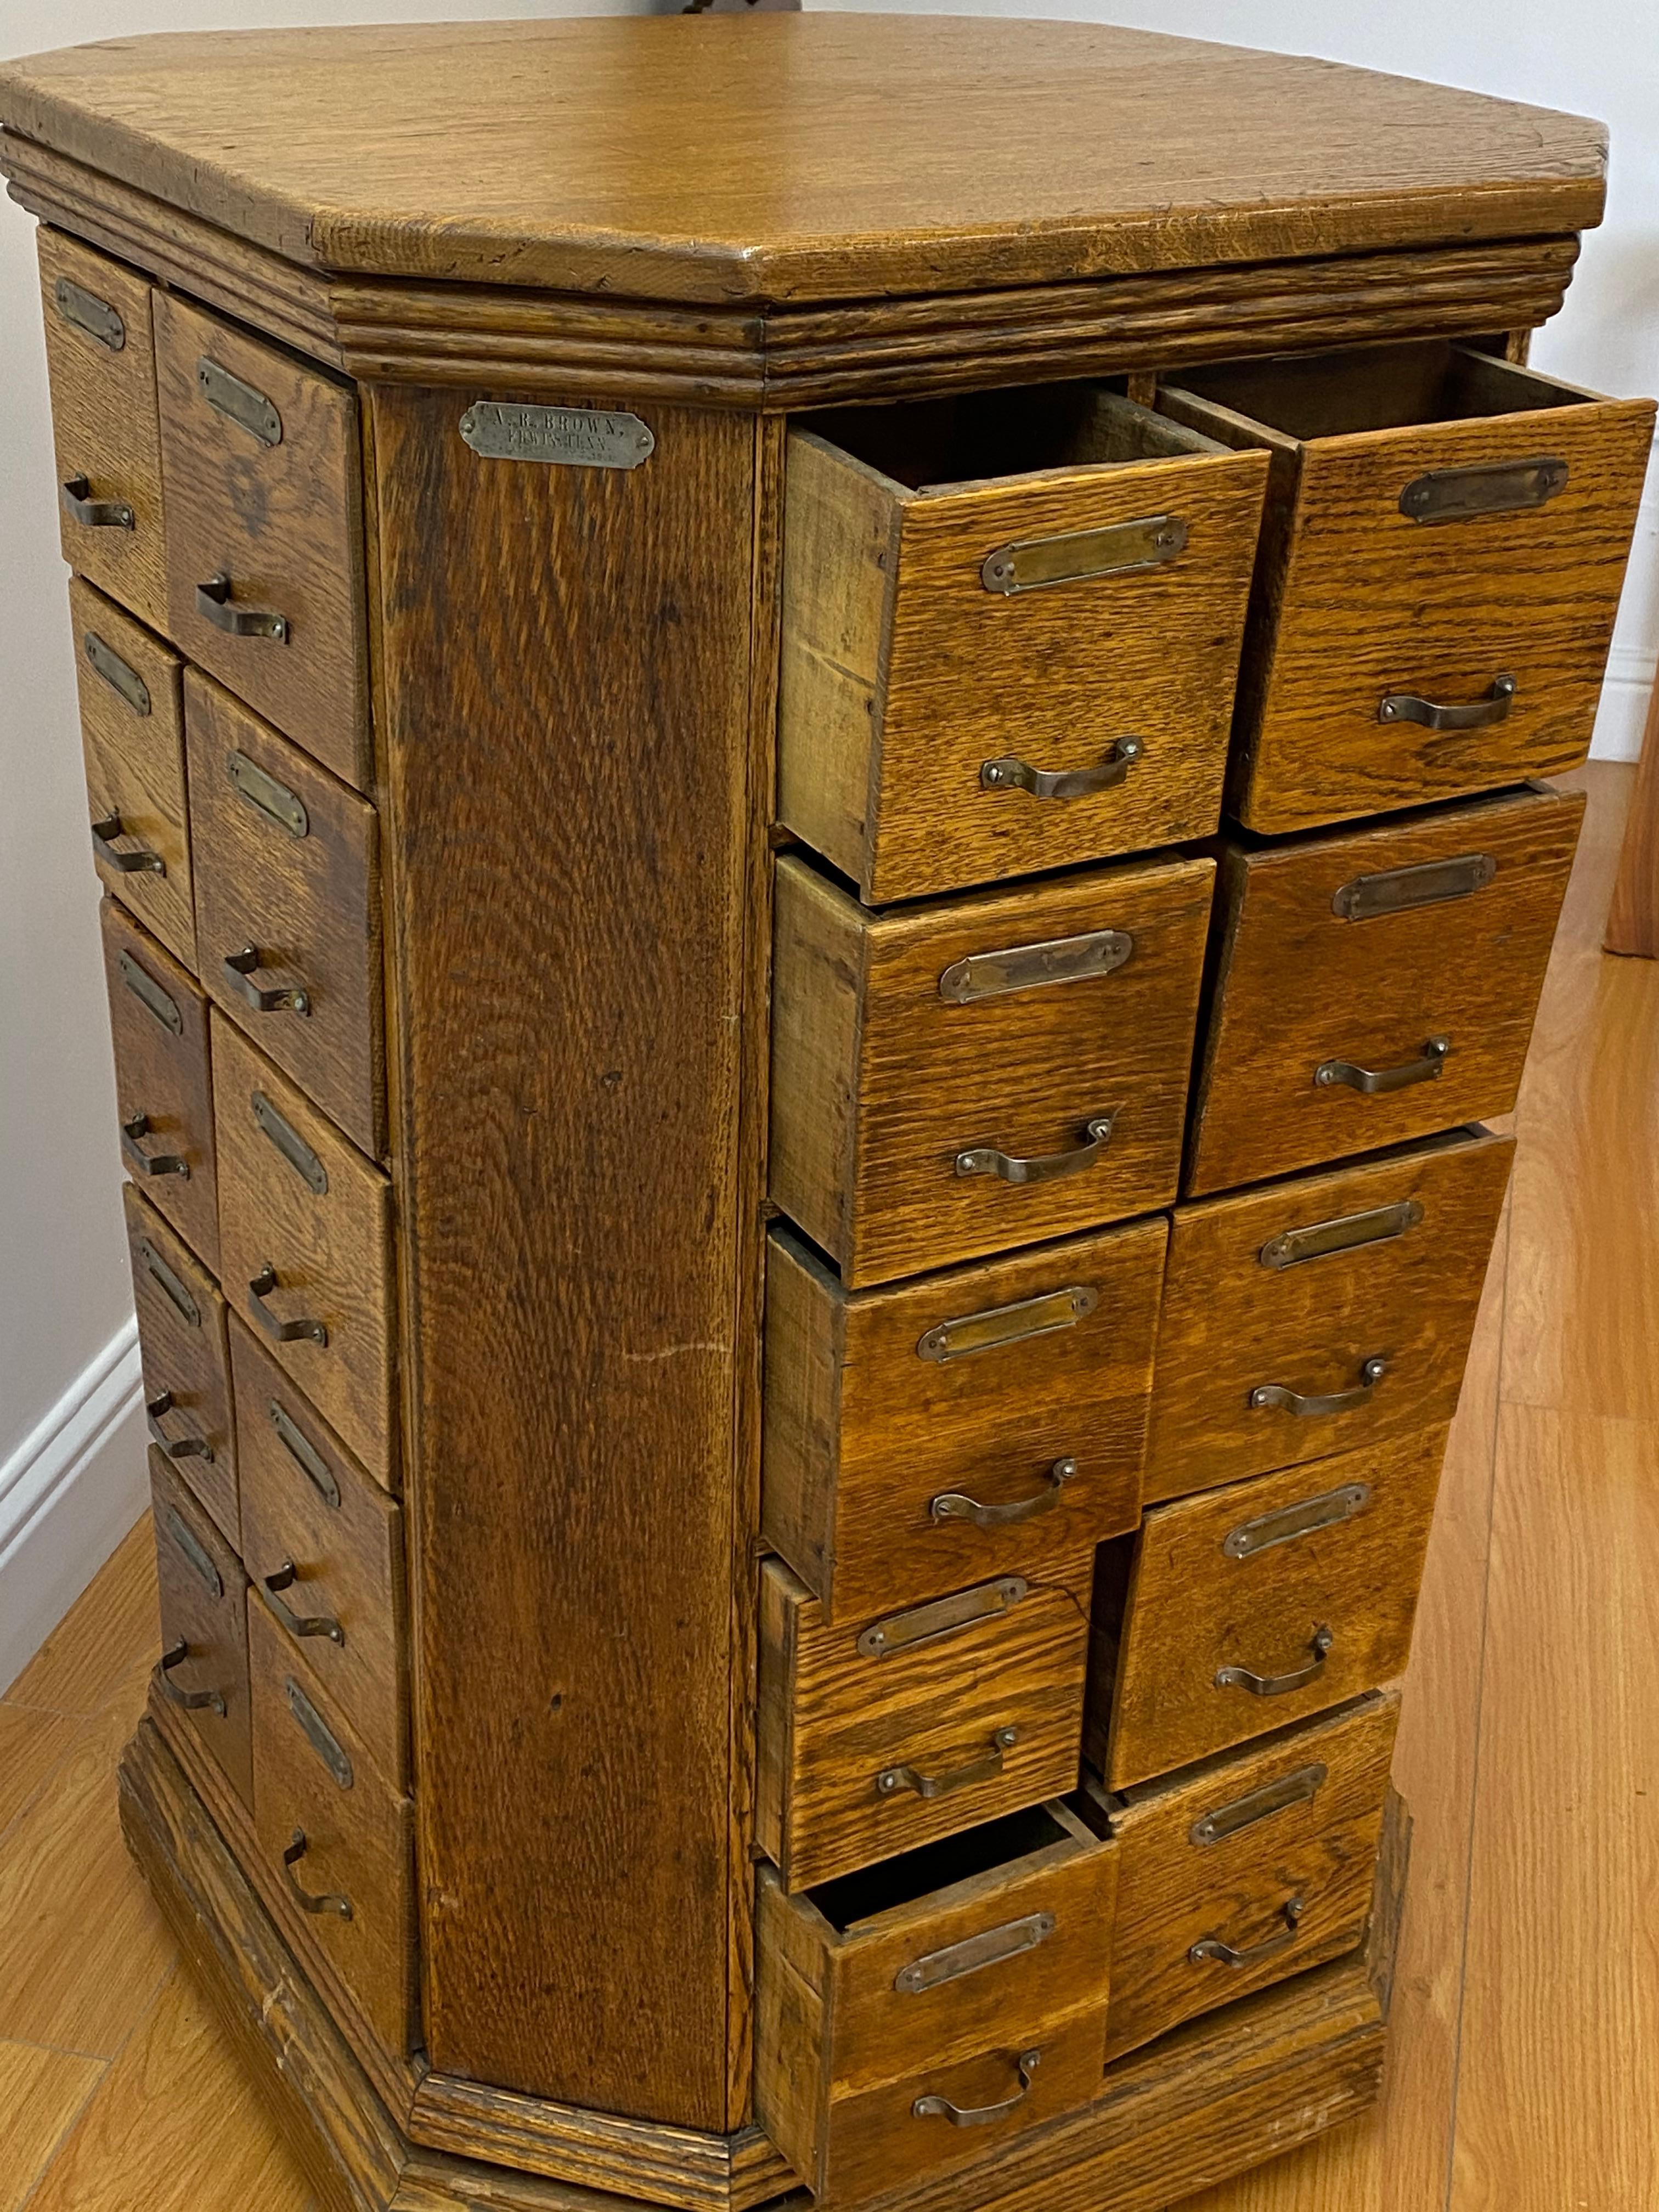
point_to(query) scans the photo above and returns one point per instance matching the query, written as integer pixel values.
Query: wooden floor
(1525, 2075)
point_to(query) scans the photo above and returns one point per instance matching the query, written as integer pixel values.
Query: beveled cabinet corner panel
(186, 1354)
(163, 1085)
(204, 1668)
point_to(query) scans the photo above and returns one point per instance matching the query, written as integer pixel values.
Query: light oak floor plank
(32, 1744)
(40, 2093)
(109, 1628)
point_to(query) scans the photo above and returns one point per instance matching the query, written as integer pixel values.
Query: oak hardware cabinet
(819, 748)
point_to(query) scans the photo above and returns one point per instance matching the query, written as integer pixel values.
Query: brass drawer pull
(88, 312)
(95, 513)
(266, 796)
(122, 677)
(1479, 714)
(192, 1701)
(951, 1505)
(304, 1453)
(981, 2115)
(1374, 1082)
(1013, 774)
(1320, 1238)
(1302, 1519)
(1212, 1948)
(155, 1412)
(201, 1563)
(327, 1902)
(291, 1145)
(925, 1623)
(176, 1293)
(1046, 1167)
(1397, 890)
(243, 966)
(150, 1164)
(297, 1624)
(999, 1325)
(1299, 1789)
(989, 1949)
(1308, 1406)
(214, 604)
(1030, 967)
(105, 831)
(1121, 548)
(1486, 488)
(892, 1779)
(283, 1332)
(1279, 1686)
(318, 1734)
(227, 395)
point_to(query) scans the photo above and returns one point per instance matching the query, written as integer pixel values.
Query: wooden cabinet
(203, 1672)
(158, 1021)
(185, 1353)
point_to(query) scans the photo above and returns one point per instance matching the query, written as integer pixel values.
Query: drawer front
(1378, 985)
(880, 1736)
(1320, 1315)
(304, 1227)
(163, 1089)
(919, 1438)
(324, 1548)
(338, 1839)
(288, 872)
(939, 1092)
(264, 531)
(101, 357)
(1251, 1606)
(1256, 1867)
(203, 1669)
(186, 1361)
(132, 741)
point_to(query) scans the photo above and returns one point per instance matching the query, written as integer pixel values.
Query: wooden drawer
(305, 1226)
(920, 1438)
(264, 529)
(878, 1737)
(982, 678)
(163, 1087)
(337, 1837)
(1314, 1315)
(1241, 1609)
(955, 1079)
(323, 1548)
(288, 870)
(1246, 1869)
(973, 1971)
(186, 1361)
(1440, 573)
(101, 357)
(132, 741)
(204, 1601)
(1376, 985)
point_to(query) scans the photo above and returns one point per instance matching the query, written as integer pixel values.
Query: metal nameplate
(268, 797)
(321, 1738)
(1123, 549)
(88, 312)
(988, 1949)
(983, 1332)
(185, 1538)
(924, 1623)
(1345, 1234)
(157, 1268)
(145, 989)
(1300, 1519)
(290, 1144)
(1430, 884)
(243, 403)
(120, 676)
(305, 1453)
(1487, 487)
(1030, 967)
(566, 437)
(1299, 1789)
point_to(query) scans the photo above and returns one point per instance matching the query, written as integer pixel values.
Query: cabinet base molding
(1224, 2094)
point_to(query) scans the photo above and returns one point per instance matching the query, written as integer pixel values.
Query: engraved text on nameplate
(575, 437)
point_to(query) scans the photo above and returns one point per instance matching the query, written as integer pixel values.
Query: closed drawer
(1322, 1314)
(920, 1437)
(204, 1601)
(969, 1977)
(101, 357)
(985, 678)
(1246, 1869)
(132, 742)
(287, 900)
(323, 1548)
(163, 1088)
(1241, 1609)
(956, 1079)
(1440, 578)
(305, 1228)
(264, 529)
(337, 1837)
(186, 1361)
(878, 1737)
(1376, 985)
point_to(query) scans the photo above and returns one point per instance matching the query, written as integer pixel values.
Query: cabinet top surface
(779, 157)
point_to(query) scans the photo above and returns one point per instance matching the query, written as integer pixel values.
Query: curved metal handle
(95, 513)
(150, 1164)
(241, 966)
(1047, 1167)
(892, 1779)
(951, 1505)
(1276, 1686)
(316, 1623)
(1374, 1081)
(1308, 1406)
(1013, 774)
(980, 2116)
(1210, 1948)
(155, 1411)
(329, 1901)
(193, 1701)
(214, 605)
(1479, 714)
(105, 831)
(283, 1332)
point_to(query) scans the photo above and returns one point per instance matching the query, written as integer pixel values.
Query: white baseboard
(1623, 710)
(68, 1494)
